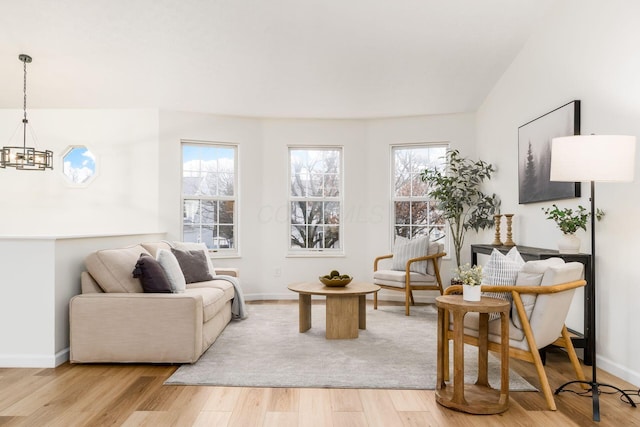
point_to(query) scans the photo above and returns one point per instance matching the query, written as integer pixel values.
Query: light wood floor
(134, 395)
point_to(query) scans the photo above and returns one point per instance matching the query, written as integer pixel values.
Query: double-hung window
(210, 195)
(315, 200)
(414, 214)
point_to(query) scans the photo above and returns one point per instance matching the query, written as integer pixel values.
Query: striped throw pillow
(406, 249)
(502, 270)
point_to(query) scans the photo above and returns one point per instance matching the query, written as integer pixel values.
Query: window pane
(298, 212)
(209, 212)
(332, 213)
(332, 237)
(403, 212)
(314, 213)
(298, 236)
(225, 184)
(226, 212)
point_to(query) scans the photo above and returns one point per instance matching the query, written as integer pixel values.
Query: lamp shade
(598, 158)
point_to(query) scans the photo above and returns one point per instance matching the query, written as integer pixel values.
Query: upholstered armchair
(540, 302)
(414, 266)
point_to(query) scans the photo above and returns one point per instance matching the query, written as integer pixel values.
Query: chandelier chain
(24, 90)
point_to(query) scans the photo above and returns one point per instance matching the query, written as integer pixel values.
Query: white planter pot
(471, 293)
(569, 244)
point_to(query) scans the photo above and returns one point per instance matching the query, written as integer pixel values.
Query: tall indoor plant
(456, 190)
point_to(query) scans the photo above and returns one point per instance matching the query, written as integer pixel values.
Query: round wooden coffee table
(346, 307)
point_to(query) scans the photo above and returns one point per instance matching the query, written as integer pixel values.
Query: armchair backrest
(434, 248)
(550, 310)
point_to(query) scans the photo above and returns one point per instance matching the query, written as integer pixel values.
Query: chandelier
(25, 158)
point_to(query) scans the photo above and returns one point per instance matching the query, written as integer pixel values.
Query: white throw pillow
(502, 270)
(172, 270)
(406, 249)
(189, 246)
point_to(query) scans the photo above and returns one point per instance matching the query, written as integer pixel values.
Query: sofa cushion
(154, 247)
(171, 267)
(224, 285)
(112, 268)
(151, 275)
(213, 300)
(193, 265)
(406, 249)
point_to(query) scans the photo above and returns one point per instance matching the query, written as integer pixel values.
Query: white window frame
(218, 252)
(412, 198)
(315, 252)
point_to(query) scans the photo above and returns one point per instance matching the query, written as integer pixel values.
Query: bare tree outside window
(315, 198)
(414, 214)
(209, 195)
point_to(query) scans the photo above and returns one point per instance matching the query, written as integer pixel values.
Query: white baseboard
(34, 360)
(618, 370)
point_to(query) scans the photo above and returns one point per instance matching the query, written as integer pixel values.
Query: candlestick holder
(509, 241)
(496, 240)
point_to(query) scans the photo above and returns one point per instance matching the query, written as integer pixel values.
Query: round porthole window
(79, 165)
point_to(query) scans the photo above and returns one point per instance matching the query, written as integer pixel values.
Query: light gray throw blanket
(238, 310)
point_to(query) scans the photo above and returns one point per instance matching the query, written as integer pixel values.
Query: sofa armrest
(228, 271)
(136, 327)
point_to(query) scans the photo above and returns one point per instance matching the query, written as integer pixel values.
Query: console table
(579, 340)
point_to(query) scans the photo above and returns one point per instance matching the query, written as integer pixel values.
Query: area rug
(266, 350)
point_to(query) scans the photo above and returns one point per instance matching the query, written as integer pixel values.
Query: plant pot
(471, 293)
(569, 244)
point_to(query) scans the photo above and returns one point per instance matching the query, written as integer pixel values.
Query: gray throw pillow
(151, 275)
(193, 265)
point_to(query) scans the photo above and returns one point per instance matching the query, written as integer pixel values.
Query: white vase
(569, 244)
(471, 293)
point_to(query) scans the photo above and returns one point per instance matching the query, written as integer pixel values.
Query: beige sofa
(114, 321)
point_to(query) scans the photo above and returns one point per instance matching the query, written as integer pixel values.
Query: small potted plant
(569, 221)
(470, 277)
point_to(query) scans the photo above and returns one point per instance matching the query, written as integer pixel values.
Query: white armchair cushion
(406, 249)
(531, 275)
(396, 278)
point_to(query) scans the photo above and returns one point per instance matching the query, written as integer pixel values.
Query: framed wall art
(534, 154)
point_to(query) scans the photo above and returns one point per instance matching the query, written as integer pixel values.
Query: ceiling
(276, 58)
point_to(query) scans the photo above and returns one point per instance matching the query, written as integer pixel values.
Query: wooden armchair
(408, 280)
(542, 326)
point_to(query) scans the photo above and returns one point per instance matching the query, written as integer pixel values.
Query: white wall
(584, 50)
(122, 198)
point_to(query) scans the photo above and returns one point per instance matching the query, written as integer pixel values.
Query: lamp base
(595, 394)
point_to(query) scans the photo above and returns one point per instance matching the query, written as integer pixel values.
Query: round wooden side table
(478, 398)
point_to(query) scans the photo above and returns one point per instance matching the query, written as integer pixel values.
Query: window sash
(315, 200)
(413, 213)
(209, 209)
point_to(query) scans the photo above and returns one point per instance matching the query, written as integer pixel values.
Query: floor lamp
(593, 158)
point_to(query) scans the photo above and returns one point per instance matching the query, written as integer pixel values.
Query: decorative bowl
(335, 282)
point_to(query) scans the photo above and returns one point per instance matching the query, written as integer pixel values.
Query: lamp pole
(594, 384)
